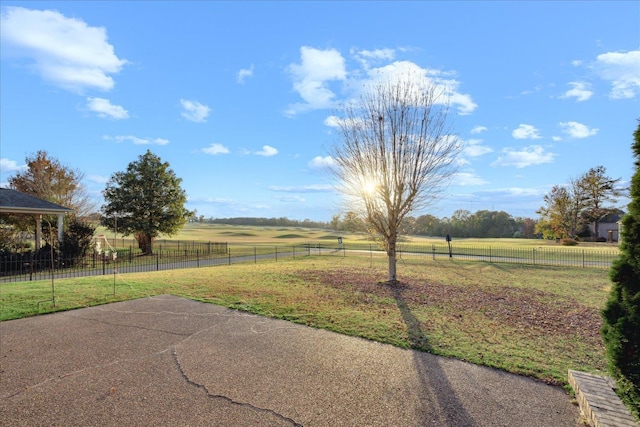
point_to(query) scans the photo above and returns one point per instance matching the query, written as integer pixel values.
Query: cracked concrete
(171, 361)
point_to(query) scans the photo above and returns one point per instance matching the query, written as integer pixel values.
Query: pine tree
(621, 316)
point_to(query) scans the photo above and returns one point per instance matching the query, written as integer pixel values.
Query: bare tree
(396, 154)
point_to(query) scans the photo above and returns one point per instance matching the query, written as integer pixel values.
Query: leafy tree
(352, 222)
(621, 316)
(598, 189)
(46, 178)
(396, 153)
(561, 217)
(461, 225)
(492, 224)
(527, 227)
(146, 200)
(335, 222)
(428, 225)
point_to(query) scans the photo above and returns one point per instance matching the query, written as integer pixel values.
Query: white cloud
(320, 162)
(622, 70)
(577, 130)
(408, 70)
(339, 122)
(7, 165)
(292, 198)
(318, 68)
(105, 108)
(465, 179)
(136, 140)
(474, 148)
(528, 156)
(194, 111)
(214, 149)
(526, 132)
(65, 51)
(243, 74)
(311, 77)
(98, 179)
(267, 151)
(365, 57)
(333, 121)
(314, 188)
(479, 129)
(579, 90)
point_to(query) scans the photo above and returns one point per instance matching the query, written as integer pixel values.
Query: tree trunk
(149, 245)
(392, 268)
(391, 253)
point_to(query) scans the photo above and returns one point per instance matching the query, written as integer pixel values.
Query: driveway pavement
(169, 361)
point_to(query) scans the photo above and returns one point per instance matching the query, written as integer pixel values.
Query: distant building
(609, 227)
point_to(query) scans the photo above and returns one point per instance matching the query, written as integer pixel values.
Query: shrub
(77, 239)
(621, 315)
(568, 242)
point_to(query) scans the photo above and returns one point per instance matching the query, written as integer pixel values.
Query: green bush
(77, 238)
(621, 315)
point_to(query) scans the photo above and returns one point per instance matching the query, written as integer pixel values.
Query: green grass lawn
(534, 321)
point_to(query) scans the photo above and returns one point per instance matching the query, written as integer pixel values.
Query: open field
(259, 235)
(530, 320)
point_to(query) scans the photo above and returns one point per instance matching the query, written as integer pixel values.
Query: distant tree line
(266, 222)
(462, 223)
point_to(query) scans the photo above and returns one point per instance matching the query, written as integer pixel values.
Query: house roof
(612, 218)
(12, 201)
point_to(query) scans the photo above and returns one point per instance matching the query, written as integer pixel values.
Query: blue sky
(238, 96)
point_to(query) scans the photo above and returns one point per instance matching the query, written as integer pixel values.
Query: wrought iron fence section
(171, 255)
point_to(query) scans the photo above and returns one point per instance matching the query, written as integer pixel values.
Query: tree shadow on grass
(439, 403)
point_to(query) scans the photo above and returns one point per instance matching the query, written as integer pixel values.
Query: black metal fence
(178, 255)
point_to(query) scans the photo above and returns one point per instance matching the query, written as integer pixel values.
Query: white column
(60, 224)
(38, 231)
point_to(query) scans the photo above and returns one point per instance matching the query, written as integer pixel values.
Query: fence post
(490, 257)
(583, 264)
(433, 250)
(198, 257)
(534, 256)
(276, 253)
(255, 255)
(294, 251)
(157, 262)
(104, 265)
(229, 256)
